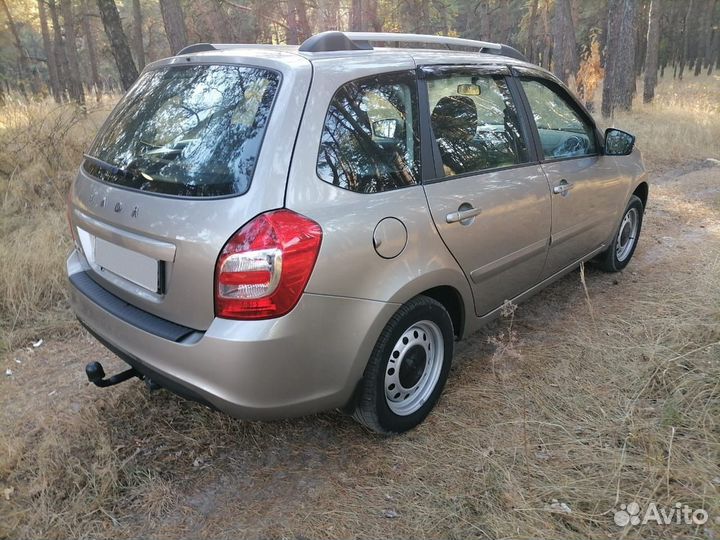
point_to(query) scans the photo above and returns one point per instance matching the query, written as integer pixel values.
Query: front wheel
(408, 368)
(622, 248)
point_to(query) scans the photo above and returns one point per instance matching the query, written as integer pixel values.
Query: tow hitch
(96, 375)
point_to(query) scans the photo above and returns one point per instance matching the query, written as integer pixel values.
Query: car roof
(357, 46)
(355, 49)
(422, 57)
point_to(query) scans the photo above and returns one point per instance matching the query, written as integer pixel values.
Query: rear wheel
(622, 248)
(408, 368)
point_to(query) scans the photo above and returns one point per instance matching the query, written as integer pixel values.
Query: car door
(585, 185)
(489, 199)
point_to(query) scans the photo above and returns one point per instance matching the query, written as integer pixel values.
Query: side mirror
(388, 128)
(618, 143)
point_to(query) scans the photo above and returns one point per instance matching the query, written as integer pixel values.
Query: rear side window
(563, 131)
(370, 141)
(191, 130)
(475, 123)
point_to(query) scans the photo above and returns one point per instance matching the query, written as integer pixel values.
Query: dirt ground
(584, 400)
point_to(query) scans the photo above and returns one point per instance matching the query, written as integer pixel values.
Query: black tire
(608, 260)
(371, 407)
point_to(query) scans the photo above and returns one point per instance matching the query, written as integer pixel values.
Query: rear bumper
(307, 361)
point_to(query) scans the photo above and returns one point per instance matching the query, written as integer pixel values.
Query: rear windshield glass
(192, 131)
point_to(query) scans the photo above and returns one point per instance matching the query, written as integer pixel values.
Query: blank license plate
(131, 265)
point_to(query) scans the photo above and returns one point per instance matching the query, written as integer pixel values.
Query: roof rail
(197, 47)
(333, 41)
(350, 41)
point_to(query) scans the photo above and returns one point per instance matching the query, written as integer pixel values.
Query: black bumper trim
(149, 373)
(143, 320)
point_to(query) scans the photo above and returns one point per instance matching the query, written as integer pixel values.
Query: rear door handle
(563, 187)
(464, 214)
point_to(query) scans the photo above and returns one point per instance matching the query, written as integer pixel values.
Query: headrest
(454, 117)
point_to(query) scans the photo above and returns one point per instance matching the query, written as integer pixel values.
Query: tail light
(264, 267)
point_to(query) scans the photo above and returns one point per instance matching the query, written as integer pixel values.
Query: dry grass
(558, 407)
(42, 144)
(682, 124)
(554, 403)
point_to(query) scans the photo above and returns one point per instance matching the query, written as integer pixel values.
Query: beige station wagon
(275, 231)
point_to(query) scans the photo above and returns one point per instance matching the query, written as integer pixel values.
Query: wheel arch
(452, 301)
(641, 191)
(449, 288)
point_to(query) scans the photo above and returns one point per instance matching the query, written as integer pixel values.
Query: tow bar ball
(96, 375)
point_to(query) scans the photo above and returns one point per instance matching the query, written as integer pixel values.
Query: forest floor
(586, 399)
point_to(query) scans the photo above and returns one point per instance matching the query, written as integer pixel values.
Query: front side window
(475, 123)
(370, 141)
(563, 131)
(192, 131)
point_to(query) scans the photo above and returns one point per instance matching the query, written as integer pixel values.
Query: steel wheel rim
(414, 367)
(627, 235)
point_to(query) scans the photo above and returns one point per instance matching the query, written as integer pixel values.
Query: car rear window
(370, 140)
(191, 131)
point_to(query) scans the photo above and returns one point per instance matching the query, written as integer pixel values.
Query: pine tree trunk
(371, 18)
(483, 12)
(714, 53)
(530, 46)
(292, 34)
(118, 42)
(643, 19)
(565, 59)
(54, 84)
(686, 41)
(611, 39)
(674, 35)
(23, 64)
(174, 21)
(61, 60)
(304, 30)
(547, 40)
(137, 35)
(356, 16)
(651, 54)
(87, 29)
(625, 76)
(77, 92)
(711, 43)
(619, 83)
(704, 37)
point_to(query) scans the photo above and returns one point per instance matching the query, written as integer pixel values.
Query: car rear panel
(125, 235)
(263, 369)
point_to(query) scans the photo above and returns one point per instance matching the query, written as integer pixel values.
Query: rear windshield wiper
(113, 169)
(127, 172)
